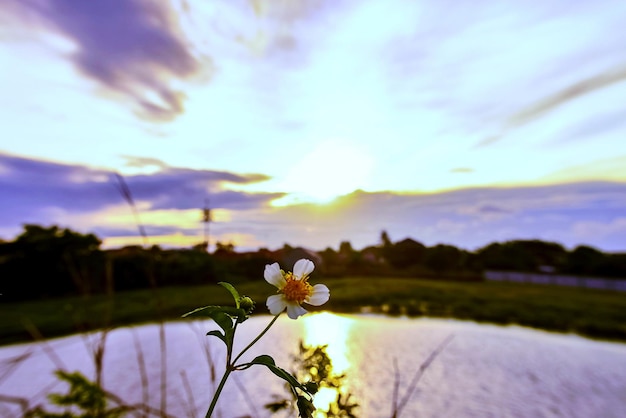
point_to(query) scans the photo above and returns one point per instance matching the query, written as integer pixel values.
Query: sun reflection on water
(326, 329)
(332, 330)
(323, 398)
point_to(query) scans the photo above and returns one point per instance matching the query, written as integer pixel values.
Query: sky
(317, 121)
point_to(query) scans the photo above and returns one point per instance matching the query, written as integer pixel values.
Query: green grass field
(593, 313)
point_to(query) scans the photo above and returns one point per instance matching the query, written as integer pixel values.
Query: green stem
(256, 339)
(230, 366)
(227, 372)
(229, 353)
(218, 391)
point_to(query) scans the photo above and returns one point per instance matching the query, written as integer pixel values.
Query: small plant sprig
(293, 290)
(314, 364)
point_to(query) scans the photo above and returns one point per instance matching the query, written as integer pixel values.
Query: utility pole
(206, 219)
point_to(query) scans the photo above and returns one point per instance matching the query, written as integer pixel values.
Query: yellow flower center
(296, 290)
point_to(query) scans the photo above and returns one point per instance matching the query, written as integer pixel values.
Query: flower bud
(247, 304)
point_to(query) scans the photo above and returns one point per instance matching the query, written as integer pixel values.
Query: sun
(331, 169)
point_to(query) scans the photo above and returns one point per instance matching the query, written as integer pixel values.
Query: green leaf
(268, 362)
(223, 320)
(232, 291)
(206, 311)
(234, 312)
(219, 335)
(264, 359)
(223, 317)
(199, 310)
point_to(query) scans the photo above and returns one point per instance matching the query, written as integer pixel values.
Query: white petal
(319, 296)
(273, 275)
(303, 268)
(276, 304)
(294, 310)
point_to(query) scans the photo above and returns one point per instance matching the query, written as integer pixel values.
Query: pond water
(484, 371)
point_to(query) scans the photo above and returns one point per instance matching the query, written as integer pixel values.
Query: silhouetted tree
(345, 248)
(444, 258)
(405, 253)
(614, 265)
(224, 248)
(584, 260)
(522, 255)
(50, 261)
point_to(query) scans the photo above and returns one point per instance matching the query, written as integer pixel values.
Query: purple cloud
(129, 46)
(591, 213)
(181, 188)
(32, 188)
(151, 231)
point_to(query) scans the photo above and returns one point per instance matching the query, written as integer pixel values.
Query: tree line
(409, 257)
(51, 261)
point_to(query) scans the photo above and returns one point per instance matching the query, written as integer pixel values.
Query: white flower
(294, 289)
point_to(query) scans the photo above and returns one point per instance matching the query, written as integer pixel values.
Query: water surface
(485, 370)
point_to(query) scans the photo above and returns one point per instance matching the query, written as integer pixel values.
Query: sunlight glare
(171, 240)
(181, 218)
(322, 400)
(331, 169)
(332, 330)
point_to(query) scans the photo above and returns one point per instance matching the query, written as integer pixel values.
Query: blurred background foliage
(45, 262)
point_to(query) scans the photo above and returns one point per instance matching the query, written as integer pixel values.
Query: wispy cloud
(130, 47)
(574, 91)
